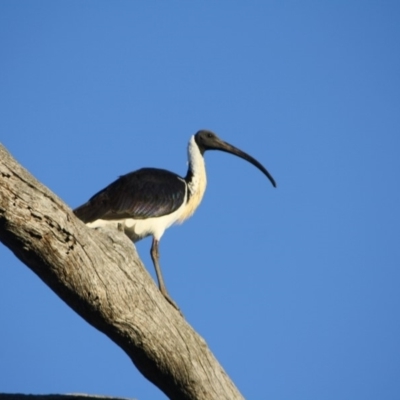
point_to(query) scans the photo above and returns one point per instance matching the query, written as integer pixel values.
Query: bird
(148, 201)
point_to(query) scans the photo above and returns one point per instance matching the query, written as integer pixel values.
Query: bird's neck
(196, 176)
(196, 179)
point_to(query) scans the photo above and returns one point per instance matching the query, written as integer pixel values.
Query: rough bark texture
(99, 275)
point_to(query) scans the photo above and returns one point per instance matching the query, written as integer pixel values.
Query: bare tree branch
(18, 396)
(99, 274)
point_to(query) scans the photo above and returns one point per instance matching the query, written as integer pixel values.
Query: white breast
(137, 229)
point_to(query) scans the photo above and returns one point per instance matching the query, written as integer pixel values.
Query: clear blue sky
(295, 289)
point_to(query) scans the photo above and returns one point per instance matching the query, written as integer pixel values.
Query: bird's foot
(170, 301)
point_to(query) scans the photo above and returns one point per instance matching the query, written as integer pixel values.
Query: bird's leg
(155, 256)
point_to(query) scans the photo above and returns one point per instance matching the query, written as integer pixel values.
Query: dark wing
(148, 192)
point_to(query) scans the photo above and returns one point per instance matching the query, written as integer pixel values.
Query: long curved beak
(228, 148)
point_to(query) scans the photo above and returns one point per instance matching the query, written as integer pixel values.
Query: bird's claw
(170, 301)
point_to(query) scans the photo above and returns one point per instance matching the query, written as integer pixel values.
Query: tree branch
(18, 396)
(99, 275)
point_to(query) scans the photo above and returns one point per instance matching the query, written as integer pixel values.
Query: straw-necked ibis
(148, 201)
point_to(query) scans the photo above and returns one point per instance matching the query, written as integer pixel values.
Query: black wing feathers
(146, 193)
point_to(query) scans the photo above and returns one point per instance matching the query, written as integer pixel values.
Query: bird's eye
(209, 135)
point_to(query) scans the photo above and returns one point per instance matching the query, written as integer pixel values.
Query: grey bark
(99, 274)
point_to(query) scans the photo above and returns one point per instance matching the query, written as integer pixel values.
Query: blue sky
(295, 289)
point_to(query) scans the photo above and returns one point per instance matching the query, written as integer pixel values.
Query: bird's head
(207, 140)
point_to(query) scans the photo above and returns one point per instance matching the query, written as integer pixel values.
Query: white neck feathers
(196, 160)
(197, 182)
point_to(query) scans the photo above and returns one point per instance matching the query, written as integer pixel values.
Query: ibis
(148, 201)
